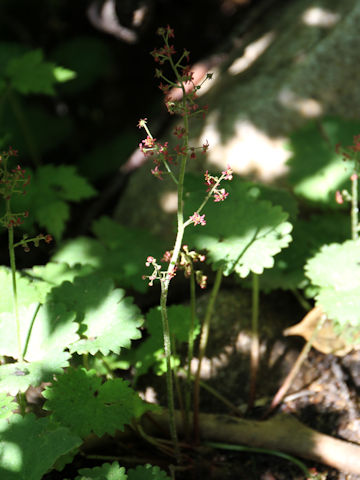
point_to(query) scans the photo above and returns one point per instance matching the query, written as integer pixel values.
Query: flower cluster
(157, 274)
(187, 258)
(352, 153)
(180, 98)
(213, 182)
(13, 181)
(25, 242)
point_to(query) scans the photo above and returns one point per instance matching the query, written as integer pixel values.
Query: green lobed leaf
(62, 74)
(50, 190)
(316, 170)
(335, 269)
(29, 73)
(308, 237)
(43, 329)
(53, 216)
(127, 250)
(28, 291)
(107, 471)
(120, 253)
(7, 406)
(78, 399)
(179, 317)
(336, 266)
(81, 250)
(150, 353)
(19, 376)
(54, 274)
(147, 472)
(108, 319)
(29, 446)
(242, 234)
(9, 51)
(64, 181)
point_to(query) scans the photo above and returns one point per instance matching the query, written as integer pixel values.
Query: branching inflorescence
(181, 99)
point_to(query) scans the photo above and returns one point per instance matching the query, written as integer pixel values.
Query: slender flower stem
(280, 394)
(202, 348)
(354, 207)
(254, 360)
(190, 353)
(169, 373)
(14, 286)
(166, 281)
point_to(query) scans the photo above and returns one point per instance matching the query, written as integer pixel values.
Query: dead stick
(282, 432)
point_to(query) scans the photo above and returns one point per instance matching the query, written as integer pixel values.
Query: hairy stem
(190, 353)
(354, 207)
(169, 373)
(295, 369)
(254, 358)
(202, 348)
(14, 286)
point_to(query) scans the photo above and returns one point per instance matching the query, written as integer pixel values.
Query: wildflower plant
(14, 181)
(335, 269)
(165, 160)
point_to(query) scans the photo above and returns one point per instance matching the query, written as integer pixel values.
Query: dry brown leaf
(327, 340)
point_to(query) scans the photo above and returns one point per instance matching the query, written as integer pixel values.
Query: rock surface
(299, 62)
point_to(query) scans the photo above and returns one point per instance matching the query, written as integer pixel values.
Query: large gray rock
(299, 62)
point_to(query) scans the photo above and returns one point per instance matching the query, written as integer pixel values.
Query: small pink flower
(338, 197)
(180, 150)
(228, 173)
(179, 131)
(198, 219)
(166, 256)
(149, 142)
(220, 195)
(170, 31)
(205, 146)
(142, 122)
(157, 172)
(354, 176)
(209, 180)
(150, 260)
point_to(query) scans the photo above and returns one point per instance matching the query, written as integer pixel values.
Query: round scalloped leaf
(107, 471)
(79, 400)
(30, 446)
(150, 352)
(316, 171)
(81, 250)
(241, 234)
(179, 317)
(7, 406)
(127, 249)
(147, 472)
(308, 237)
(43, 330)
(18, 377)
(336, 266)
(56, 273)
(27, 291)
(119, 253)
(108, 319)
(343, 307)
